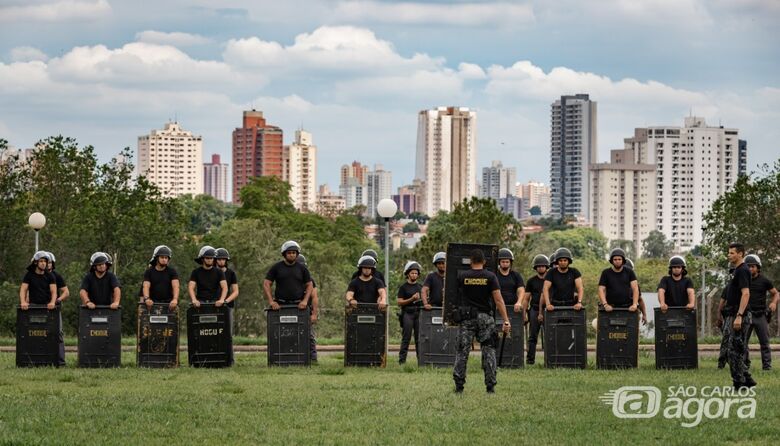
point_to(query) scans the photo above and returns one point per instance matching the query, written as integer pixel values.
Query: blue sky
(355, 73)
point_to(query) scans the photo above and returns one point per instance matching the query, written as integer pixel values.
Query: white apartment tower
(623, 197)
(446, 159)
(573, 148)
(379, 185)
(299, 169)
(498, 181)
(172, 159)
(695, 165)
(215, 178)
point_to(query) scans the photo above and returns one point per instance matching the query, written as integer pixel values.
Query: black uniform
(563, 286)
(534, 286)
(409, 320)
(737, 340)
(675, 291)
(618, 286)
(39, 287)
(160, 287)
(100, 290)
(476, 288)
(207, 288)
(509, 285)
(232, 279)
(59, 280)
(759, 286)
(366, 291)
(378, 274)
(290, 282)
(435, 284)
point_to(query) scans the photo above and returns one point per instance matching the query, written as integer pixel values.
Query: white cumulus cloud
(57, 11)
(173, 38)
(27, 54)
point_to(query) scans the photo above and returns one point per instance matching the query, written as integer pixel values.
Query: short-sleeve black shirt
(618, 286)
(509, 285)
(366, 291)
(232, 279)
(100, 290)
(290, 281)
(435, 284)
(477, 286)
(378, 274)
(38, 287)
(758, 289)
(535, 286)
(160, 288)
(563, 288)
(739, 281)
(675, 291)
(408, 290)
(207, 281)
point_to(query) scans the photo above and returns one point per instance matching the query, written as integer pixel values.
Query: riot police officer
(100, 286)
(410, 300)
(433, 287)
(533, 302)
(207, 283)
(292, 279)
(618, 286)
(161, 281)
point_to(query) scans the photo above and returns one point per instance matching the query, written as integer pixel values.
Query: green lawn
(328, 404)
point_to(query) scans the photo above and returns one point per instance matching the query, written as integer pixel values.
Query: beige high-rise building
(446, 158)
(623, 197)
(328, 203)
(172, 158)
(299, 161)
(215, 178)
(536, 193)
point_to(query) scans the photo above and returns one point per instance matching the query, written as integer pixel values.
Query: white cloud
(471, 71)
(417, 13)
(339, 48)
(27, 54)
(139, 63)
(174, 38)
(524, 79)
(56, 11)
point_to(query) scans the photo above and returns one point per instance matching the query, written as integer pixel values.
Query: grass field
(328, 404)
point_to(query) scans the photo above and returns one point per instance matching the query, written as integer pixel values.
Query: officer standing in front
(314, 308)
(738, 317)
(676, 290)
(292, 279)
(532, 301)
(410, 302)
(161, 281)
(618, 286)
(433, 287)
(207, 283)
(38, 286)
(511, 282)
(562, 284)
(366, 289)
(480, 291)
(100, 286)
(759, 286)
(378, 274)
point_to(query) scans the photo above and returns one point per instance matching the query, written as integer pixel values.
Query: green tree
(205, 212)
(265, 194)
(655, 246)
(748, 213)
(584, 243)
(535, 210)
(555, 223)
(412, 226)
(476, 220)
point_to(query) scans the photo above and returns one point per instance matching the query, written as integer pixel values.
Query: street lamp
(386, 208)
(36, 221)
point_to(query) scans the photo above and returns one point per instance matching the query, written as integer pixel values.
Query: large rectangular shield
(617, 342)
(365, 336)
(288, 336)
(676, 344)
(437, 342)
(458, 259)
(37, 336)
(511, 350)
(100, 337)
(565, 340)
(158, 336)
(209, 340)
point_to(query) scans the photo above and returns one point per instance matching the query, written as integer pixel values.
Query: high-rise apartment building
(172, 159)
(257, 151)
(215, 178)
(300, 171)
(498, 181)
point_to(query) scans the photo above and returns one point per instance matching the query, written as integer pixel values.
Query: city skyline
(355, 73)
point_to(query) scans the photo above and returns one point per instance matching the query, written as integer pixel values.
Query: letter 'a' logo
(634, 401)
